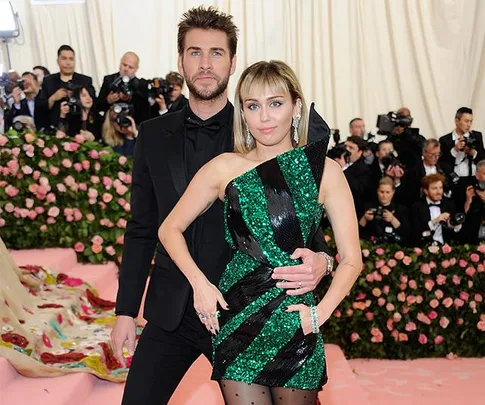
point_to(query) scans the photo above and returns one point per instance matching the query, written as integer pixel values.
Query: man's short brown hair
(207, 19)
(432, 178)
(175, 79)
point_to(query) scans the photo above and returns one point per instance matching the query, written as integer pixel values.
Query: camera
(391, 160)
(19, 126)
(378, 212)
(389, 236)
(122, 84)
(21, 84)
(470, 142)
(455, 220)
(69, 85)
(387, 122)
(368, 136)
(74, 104)
(339, 151)
(157, 87)
(123, 111)
(479, 185)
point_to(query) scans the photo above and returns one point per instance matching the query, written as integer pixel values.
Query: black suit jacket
(177, 105)
(447, 144)
(50, 85)
(474, 218)
(23, 110)
(421, 216)
(139, 99)
(359, 177)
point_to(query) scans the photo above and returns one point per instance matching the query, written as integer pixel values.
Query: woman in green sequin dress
(275, 191)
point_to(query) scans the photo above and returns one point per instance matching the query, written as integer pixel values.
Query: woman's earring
(295, 124)
(248, 138)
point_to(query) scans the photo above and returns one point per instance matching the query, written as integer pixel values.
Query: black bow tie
(193, 123)
(434, 205)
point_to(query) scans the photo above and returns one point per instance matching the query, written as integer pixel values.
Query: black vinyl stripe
(281, 210)
(288, 361)
(237, 342)
(315, 154)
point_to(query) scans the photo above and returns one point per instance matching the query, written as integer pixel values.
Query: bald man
(110, 95)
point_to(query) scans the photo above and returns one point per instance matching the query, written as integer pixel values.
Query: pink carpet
(354, 382)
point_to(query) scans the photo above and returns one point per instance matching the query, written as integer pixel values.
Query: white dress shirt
(461, 159)
(435, 212)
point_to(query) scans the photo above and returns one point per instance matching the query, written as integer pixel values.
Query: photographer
(385, 221)
(119, 129)
(58, 87)
(474, 226)
(176, 100)
(434, 218)
(78, 116)
(357, 172)
(407, 141)
(24, 100)
(357, 128)
(41, 72)
(125, 87)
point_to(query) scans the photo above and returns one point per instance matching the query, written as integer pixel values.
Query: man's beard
(209, 94)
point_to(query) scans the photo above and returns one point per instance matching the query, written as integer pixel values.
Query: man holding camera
(474, 226)
(24, 96)
(357, 128)
(434, 218)
(58, 87)
(125, 87)
(176, 100)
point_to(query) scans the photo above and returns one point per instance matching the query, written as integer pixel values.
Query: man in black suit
(177, 100)
(169, 151)
(24, 100)
(461, 150)
(58, 87)
(357, 128)
(432, 216)
(474, 226)
(112, 93)
(357, 173)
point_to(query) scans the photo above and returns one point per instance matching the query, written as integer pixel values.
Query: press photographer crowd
(407, 189)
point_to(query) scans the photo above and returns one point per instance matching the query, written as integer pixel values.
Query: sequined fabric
(270, 211)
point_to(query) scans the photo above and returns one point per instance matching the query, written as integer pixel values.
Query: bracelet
(329, 263)
(314, 315)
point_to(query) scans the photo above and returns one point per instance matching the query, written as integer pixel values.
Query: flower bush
(411, 303)
(57, 191)
(63, 192)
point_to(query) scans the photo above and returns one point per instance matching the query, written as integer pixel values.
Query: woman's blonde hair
(110, 135)
(280, 78)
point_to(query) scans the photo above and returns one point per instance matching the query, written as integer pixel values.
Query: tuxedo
(139, 98)
(420, 221)
(474, 219)
(447, 144)
(359, 177)
(23, 110)
(50, 85)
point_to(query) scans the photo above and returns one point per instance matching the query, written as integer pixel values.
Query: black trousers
(162, 358)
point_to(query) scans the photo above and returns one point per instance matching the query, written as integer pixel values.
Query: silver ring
(203, 316)
(215, 315)
(300, 284)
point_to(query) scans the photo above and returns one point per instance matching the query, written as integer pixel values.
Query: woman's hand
(206, 298)
(88, 135)
(305, 317)
(133, 130)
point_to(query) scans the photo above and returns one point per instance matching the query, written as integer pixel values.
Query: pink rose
(128, 179)
(90, 217)
(433, 315)
(446, 248)
(390, 307)
(376, 292)
(40, 210)
(473, 306)
(438, 340)
(83, 186)
(53, 212)
(460, 321)
(447, 302)
(365, 252)
(96, 249)
(399, 255)
(2, 222)
(444, 322)
(359, 305)
(456, 280)
(70, 146)
(77, 215)
(424, 318)
(381, 302)
(481, 248)
(79, 247)
(433, 249)
(401, 297)
(121, 190)
(122, 160)
(93, 154)
(69, 181)
(422, 339)
(43, 228)
(407, 260)
(11, 191)
(391, 263)
(439, 294)
(79, 138)
(97, 240)
(464, 295)
(29, 203)
(40, 143)
(121, 223)
(66, 163)
(410, 326)
(445, 264)
(481, 326)
(349, 312)
(369, 316)
(419, 299)
(412, 284)
(97, 167)
(462, 263)
(474, 258)
(54, 171)
(403, 278)
(396, 317)
(9, 207)
(386, 289)
(429, 284)
(390, 324)
(107, 182)
(385, 270)
(92, 193)
(51, 221)
(470, 271)
(36, 175)
(481, 268)
(452, 261)
(95, 179)
(440, 279)
(418, 251)
(425, 268)
(403, 337)
(85, 164)
(51, 198)
(107, 197)
(377, 336)
(78, 167)
(27, 170)
(110, 250)
(3, 140)
(336, 313)
(61, 188)
(47, 153)
(60, 135)
(379, 251)
(354, 337)
(434, 303)
(458, 302)
(478, 298)
(411, 299)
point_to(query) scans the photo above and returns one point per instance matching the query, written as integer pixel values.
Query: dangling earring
(295, 124)
(248, 138)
